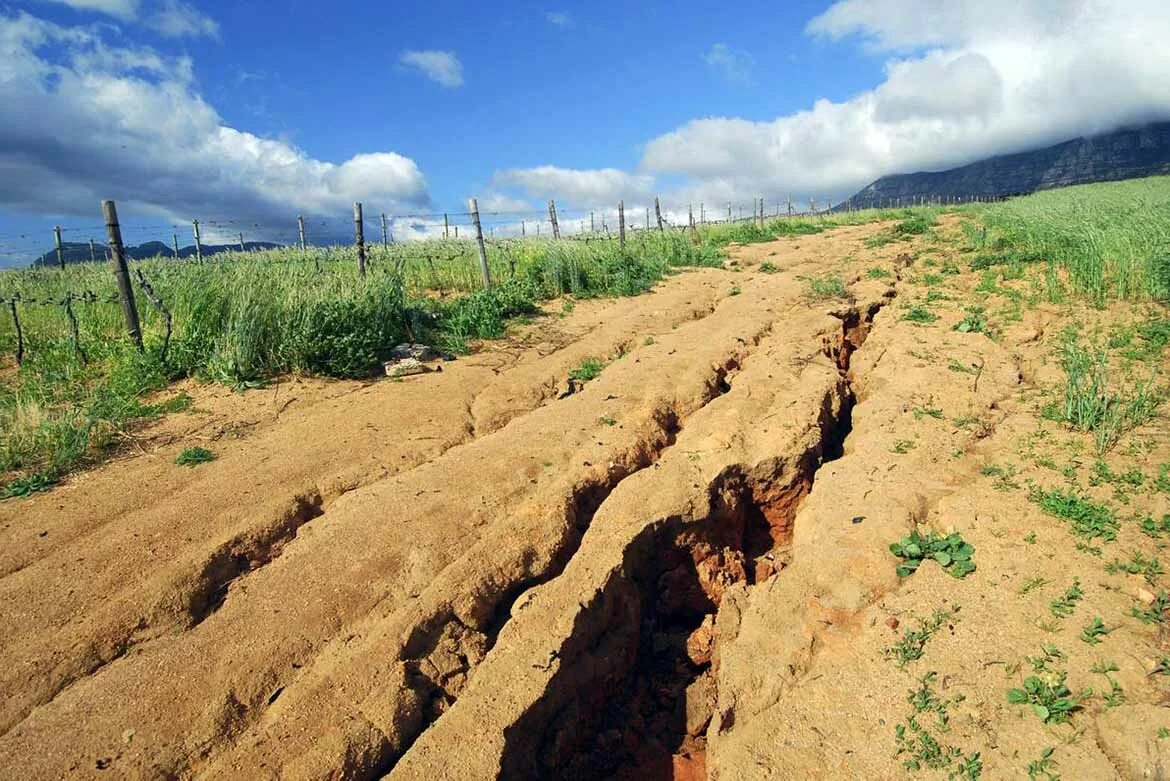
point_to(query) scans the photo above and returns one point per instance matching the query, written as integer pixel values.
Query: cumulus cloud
(733, 65)
(966, 79)
(443, 68)
(169, 18)
(575, 186)
(87, 120)
(558, 18)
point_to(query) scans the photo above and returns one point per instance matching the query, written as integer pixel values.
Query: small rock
(1144, 596)
(892, 623)
(419, 352)
(700, 697)
(406, 367)
(700, 641)
(128, 736)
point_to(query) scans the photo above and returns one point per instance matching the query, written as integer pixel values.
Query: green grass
(826, 286)
(193, 456)
(1094, 403)
(1112, 239)
(1086, 518)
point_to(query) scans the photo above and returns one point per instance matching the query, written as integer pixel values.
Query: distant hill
(74, 252)
(1122, 154)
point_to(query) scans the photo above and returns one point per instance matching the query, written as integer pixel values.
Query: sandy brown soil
(682, 569)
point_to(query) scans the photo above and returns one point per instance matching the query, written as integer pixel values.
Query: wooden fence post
(702, 214)
(385, 232)
(621, 224)
(198, 243)
(592, 228)
(729, 212)
(445, 227)
(691, 215)
(175, 239)
(523, 228)
(301, 230)
(647, 218)
(121, 272)
(658, 213)
(92, 252)
(242, 241)
(483, 261)
(60, 249)
(359, 237)
(552, 217)
(19, 332)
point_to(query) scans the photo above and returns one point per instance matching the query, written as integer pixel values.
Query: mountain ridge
(1128, 153)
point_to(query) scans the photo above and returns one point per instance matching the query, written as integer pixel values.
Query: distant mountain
(74, 252)
(1122, 154)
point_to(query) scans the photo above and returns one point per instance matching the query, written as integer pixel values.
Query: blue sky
(257, 111)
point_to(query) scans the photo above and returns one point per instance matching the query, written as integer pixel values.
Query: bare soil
(680, 569)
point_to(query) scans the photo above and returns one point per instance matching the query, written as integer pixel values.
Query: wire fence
(455, 238)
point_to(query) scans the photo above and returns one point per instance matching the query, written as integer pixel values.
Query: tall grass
(1112, 238)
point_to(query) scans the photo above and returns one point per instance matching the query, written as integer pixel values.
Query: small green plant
(1162, 667)
(1031, 584)
(1154, 613)
(919, 315)
(903, 446)
(1086, 518)
(931, 412)
(873, 272)
(27, 486)
(950, 551)
(194, 455)
(1044, 767)
(1049, 698)
(608, 421)
(913, 643)
(915, 739)
(1137, 564)
(974, 322)
(588, 369)
(1005, 476)
(969, 768)
(734, 291)
(826, 286)
(1067, 603)
(1094, 631)
(768, 267)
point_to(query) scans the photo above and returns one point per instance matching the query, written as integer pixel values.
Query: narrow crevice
(246, 554)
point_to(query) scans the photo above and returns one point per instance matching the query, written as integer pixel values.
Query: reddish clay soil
(680, 569)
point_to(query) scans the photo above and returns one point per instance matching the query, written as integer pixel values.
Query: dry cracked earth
(679, 569)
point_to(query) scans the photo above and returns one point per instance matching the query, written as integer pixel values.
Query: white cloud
(966, 79)
(86, 120)
(558, 18)
(443, 68)
(119, 9)
(175, 19)
(732, 64)
(574, 186)
(169, 18)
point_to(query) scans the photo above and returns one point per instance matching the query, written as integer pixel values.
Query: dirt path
(681, 568)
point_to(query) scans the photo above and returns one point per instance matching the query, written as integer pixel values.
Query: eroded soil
(680, 569)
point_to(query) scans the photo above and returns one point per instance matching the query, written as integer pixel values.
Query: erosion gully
(658, 637)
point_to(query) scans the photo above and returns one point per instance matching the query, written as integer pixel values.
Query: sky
(244, 114)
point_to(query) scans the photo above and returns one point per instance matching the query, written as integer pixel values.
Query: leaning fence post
(359, 238)
(60, 249)
(658, 213)
(92, 252)
(122, 273)
(301, 230)
(198, 243)
(175, 239)
(552, 217)
(242, 241)
(483, 262)
(622, 224)
(19, 332)
(385, 231)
